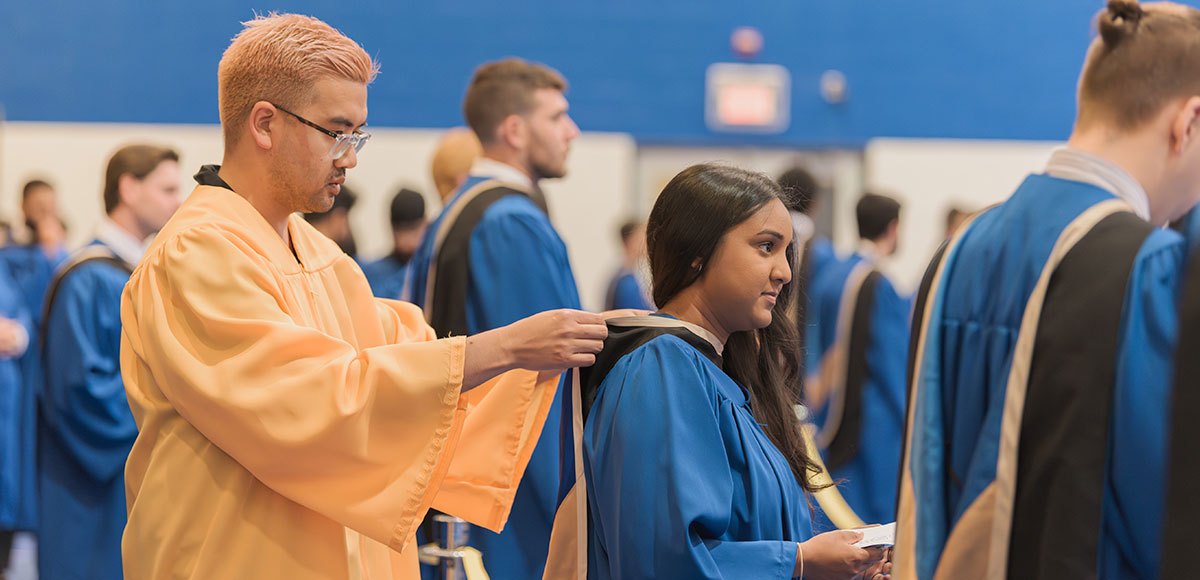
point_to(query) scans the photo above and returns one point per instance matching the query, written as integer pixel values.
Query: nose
(782, 270)
(573, 129)
(348, 160)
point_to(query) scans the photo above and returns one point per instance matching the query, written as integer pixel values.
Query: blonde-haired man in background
(453, 157)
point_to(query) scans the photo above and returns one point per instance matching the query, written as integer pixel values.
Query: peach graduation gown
(292, 425)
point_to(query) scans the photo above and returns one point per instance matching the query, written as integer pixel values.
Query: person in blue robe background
(387, 275)
(625, 290)
(692, 453)
(29, 266)
(515, 265)
(86, 428)
(32, 263)
(18, 471)
(814, 253)
(1135, 140)
(867, 460)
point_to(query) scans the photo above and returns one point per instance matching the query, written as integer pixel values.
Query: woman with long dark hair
(692, 454)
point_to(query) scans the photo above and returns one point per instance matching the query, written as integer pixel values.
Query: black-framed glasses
(342, 142)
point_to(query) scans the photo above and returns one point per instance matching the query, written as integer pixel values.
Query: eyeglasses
(342, 142)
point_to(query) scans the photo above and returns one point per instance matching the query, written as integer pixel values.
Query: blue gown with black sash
(682, 482)
(86, 429)
(867, 461)
(973, 321)
(517, 267)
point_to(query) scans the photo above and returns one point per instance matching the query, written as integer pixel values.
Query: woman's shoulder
(676, 369)
(662, 350)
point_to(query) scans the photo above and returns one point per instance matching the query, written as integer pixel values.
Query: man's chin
(320, 203)
(549, 172)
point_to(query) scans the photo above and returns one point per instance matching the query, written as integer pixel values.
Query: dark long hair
(692, 214)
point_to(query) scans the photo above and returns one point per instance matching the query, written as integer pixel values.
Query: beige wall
(609, 179)
(587, 206)
(928, 177)
(840, 171)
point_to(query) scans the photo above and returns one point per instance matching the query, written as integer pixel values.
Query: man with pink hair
(291, 425)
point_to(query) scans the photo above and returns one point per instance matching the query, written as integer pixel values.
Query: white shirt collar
(485, 167)
(868, 250)
(1078, 165)
(120, 241)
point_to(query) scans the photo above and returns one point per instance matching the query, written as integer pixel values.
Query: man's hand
(556, 340)
(550, 341)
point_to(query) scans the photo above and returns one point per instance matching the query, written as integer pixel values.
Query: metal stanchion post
(450, 535)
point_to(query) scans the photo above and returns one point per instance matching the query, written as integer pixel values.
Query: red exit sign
(747, 98)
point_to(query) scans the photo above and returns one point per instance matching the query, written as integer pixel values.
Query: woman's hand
(881, 570)
(833, 556)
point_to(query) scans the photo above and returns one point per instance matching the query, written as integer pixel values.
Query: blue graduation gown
(518, 267)
(682, 482)
(974, 324)
(870, 478)
(386, 276)
(625, 292)
(821, 254)
(32, 270)
(18, 419)
(822, 257)
(86, 430)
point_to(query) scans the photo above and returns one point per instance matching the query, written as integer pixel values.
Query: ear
(513, 132)
(127, 189)
(264, 117)
(1184, 132)
(893, 228)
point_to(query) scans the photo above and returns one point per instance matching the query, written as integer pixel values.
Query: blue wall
(941, 68)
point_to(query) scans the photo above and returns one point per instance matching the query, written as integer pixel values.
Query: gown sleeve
(1149, 330)
(83, 397)
(519, 266)
(363, 437)
(884, 403)
(502, 420)
(660, 484)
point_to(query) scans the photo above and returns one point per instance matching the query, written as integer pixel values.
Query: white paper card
(884, 535)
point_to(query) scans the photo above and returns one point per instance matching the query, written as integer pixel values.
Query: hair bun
(1120, 20)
